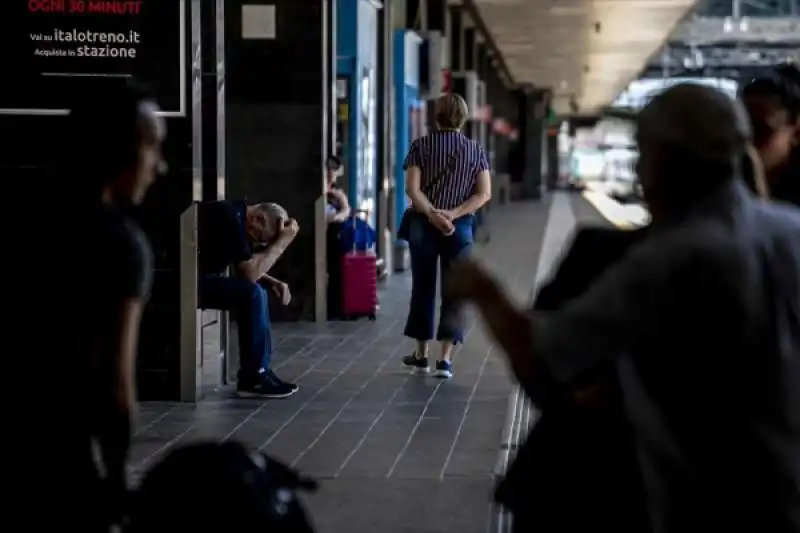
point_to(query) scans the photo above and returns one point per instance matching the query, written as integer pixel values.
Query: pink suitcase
(359, 285)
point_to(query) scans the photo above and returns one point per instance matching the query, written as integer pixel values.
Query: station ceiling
(586, 51)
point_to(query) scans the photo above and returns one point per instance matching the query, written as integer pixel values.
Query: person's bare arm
(116, 362)
(418, 198)
(270, 279)
(509, 325)
(421, 202)
(262, 262)
(482, 194)
(343, 211)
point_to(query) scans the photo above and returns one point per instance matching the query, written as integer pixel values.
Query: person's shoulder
(134, 242)
(781, 226)
(128, 252)
(663, 251)
(476, 147)
(216, 209)
(781, 213)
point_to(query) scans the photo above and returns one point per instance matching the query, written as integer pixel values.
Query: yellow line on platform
(622, 216)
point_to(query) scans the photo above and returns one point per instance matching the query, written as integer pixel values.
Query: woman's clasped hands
(442, 220)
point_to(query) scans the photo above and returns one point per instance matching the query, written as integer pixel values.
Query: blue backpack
(357, 235)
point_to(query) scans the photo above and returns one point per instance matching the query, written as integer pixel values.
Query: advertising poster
(51, 51)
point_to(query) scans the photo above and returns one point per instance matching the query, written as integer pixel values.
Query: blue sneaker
(418, 364)
(444, 369)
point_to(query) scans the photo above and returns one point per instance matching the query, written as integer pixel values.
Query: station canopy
(586, 51)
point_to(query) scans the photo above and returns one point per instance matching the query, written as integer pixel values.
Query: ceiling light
(727, 25)
(566, 10)
(744, 24)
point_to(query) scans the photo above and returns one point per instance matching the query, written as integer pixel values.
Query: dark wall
(529, 153)
(32, 145)
(158, 364)
(275, 110)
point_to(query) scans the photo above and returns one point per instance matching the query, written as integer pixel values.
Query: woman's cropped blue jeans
(431, 253)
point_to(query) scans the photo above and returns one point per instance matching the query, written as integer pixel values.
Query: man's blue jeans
(431, 251)
(248, 302)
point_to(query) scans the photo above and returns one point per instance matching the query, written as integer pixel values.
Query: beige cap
(697, 119)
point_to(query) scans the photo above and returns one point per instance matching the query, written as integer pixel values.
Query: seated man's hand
(289, 229)
(282, 291)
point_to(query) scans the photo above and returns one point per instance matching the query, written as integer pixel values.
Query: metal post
(191, 352)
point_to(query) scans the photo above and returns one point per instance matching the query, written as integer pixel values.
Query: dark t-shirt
(222, 241)
(112, 262)
(109, 262)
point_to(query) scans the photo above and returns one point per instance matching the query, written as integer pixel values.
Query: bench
(206, 357)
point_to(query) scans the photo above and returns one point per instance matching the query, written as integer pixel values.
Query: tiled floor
(393, 452)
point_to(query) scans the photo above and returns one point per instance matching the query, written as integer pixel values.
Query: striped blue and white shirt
(431, 154)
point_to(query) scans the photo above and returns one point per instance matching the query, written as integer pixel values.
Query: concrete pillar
(553, 166)
(470, 51)
(436, 19)
(387, 226)
(532, 142)
(456, 37)
(278, 132)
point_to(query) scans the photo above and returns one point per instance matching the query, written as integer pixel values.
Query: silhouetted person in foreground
(582, 443)
(114, 155)
(701, 319)
(214, 487)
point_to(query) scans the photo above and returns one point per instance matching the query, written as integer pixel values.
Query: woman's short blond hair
(451, 112)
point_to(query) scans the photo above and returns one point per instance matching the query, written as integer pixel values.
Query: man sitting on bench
(248, 239)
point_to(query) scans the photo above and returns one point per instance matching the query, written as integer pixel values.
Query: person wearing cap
(701, 319)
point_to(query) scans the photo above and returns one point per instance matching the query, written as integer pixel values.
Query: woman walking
(447, 180)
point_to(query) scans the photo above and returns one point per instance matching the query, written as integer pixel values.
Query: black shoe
(417, 364)
(271, 375)
(266, 388)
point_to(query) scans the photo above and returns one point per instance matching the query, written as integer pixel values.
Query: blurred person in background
(773, 106)
(701, 320)
(337, 208)
(447, 181)
(114, 155)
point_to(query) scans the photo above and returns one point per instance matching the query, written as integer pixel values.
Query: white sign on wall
(258, 22)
